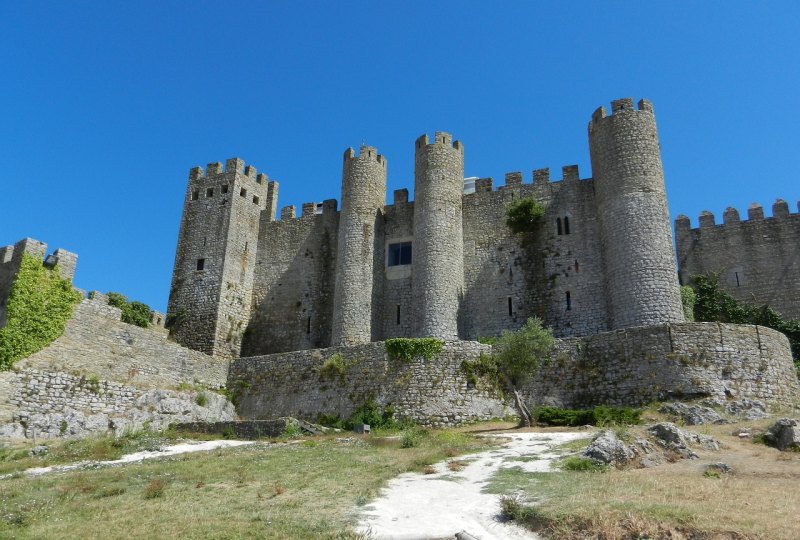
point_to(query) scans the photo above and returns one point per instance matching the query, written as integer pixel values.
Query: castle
(445, 265)
(272, 302)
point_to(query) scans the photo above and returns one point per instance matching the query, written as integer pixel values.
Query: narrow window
(243, 193)
(510, 307)
(224, 189)
(195, 195)
(737, 278)
(255, 199)
(558, 225)
(566, 225)
(245, 245)
(201, 264)
(210, 192)
(308, 325)
(569, 302)
(398, 313)
(399, 254)
(204, 240)
(577, 268)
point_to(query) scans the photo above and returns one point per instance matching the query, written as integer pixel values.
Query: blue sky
(107, 105)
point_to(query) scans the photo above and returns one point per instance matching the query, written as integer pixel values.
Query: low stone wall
(48, 404)
(96, 343)
(675, 361)
(627, 367)
(433, 392)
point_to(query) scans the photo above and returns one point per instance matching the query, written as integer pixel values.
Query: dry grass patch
(759, 499)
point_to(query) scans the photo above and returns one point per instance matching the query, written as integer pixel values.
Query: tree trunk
(525, 419)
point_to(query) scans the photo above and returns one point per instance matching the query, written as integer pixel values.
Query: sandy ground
(173, 450)
(431, 506)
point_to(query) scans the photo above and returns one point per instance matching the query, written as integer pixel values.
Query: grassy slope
(304, 490)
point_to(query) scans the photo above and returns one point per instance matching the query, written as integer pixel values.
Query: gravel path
(439, 505)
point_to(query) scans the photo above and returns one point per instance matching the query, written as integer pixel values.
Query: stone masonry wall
(758, 259)
(97, 344)
(625, 367)
(434, 392)
(672, 361)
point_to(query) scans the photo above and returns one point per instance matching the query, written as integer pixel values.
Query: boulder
(672, 438)
(692, 415)
(747, 409)
(607, 449)
(784, 434)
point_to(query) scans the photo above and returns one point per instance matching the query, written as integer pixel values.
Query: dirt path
(439, 505)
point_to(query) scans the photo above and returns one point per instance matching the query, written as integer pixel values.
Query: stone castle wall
(633, 366)
(96, 343)
(758, 259)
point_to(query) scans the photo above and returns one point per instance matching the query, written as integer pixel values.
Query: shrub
(412, 437)
(521, 352)
(599, 416)
(575, 463)
(524, 215)
(39, 306)
(688, 299)
(333, 367)
(407, 348)
(135, 313)
(201, 399)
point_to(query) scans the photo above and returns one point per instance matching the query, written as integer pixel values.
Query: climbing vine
(688, 299)
(407, 348)
(39, 306)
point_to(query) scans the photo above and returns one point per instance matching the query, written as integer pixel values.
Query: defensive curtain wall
(758, 259)
(633, 366)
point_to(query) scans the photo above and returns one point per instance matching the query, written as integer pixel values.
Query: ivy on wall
(407, 348)
(39, 306)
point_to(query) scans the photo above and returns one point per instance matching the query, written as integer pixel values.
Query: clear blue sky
(106, 105)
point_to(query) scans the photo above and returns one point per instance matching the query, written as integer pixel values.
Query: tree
(520, 353)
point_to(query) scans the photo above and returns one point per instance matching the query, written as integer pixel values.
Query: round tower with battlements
(438, 253)
(363, 199)
(638, 254)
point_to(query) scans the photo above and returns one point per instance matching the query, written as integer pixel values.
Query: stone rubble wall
(625, 367)
(50, 404)
(432, 392)
(673, 361)
(96, 343)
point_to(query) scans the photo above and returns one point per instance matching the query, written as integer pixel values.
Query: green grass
(305, 490)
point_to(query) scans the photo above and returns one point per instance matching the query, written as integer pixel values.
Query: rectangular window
(224, 189)
(510, 308)
(210, 192)
(201, 264)
(255, 199)
(195, 195)
(398, 313)
(400, 254)
(243, 193)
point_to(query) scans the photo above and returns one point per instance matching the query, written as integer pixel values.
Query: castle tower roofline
(439, 138)
(365, 152)
(621, 106)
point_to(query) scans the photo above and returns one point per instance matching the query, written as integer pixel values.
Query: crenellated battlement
(755, 213)
(365, 153)
(621, 106)
(439, 138)
(232, 165)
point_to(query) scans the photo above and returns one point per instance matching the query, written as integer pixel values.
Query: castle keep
(444, 265)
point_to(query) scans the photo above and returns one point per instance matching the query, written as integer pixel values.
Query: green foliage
(369, 413)
(486, 340)
(484, 370)
(333, 367)
(201, 399)
(39, 306)
(524, 215)
(688, 299)
(715, 305)
(599, 416)
(412, 437)
(228, 433)
(135, 313)
(521, 352)
(291, 431)
(407, 348)
(580, 464)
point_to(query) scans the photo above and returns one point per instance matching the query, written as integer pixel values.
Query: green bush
(599, 416)
(524, 215)
(333, 367)
(135, 313)
(369, 413)
(412, 437)
(407, 348)
(575, 463)
(39, 306)
(688, 299)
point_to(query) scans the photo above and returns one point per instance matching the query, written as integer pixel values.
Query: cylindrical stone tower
(363, 198)
(638, 253)
(438, 254)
